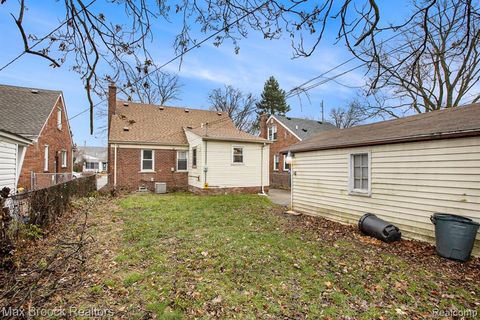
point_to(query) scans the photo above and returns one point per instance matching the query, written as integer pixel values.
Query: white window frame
(186, 167)
(351, 178)
(243, 156)
(272, 133)
(285, 163)
(94, 164)
(64, 158)
(45, 157)
(194, 163)
(141, 160)
(59, 118)
(276, 164)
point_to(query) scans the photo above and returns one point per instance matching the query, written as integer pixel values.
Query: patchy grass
(183, 256)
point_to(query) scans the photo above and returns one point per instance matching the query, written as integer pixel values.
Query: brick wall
(57, 140)
(130, 178)
(279, 178)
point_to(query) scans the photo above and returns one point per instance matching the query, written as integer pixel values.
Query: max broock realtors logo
(73, 312)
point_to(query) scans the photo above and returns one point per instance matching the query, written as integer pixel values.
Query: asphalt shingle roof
(24, 111)
(447, 123)
(304, 128)
(148, 123)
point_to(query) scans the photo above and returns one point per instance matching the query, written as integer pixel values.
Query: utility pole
(321, 105)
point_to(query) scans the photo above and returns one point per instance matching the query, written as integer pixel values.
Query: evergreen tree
(272, 99)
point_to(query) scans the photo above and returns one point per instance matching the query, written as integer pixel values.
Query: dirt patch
(57, 264)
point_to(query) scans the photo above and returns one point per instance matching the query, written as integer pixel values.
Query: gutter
(419, 138)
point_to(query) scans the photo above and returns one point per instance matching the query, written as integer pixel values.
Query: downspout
(262, 193)
(205, 167)
(115, 169)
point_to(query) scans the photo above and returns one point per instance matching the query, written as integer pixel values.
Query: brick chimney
(112, 102)
(263, 126)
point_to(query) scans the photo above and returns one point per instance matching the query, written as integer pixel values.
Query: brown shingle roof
(148, 123)
(225, 131)
(24, 111)
(447, 123)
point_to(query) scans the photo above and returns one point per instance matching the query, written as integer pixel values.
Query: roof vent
(219, 113)
(187, 111)
(126, 129)
(125, 104)
(320, 122)
(161, 108)
(288, 118)
(189, 127)
(296, 127)
(304, 130)
(34, 91)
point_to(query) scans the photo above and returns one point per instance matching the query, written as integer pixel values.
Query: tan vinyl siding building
(408, 181)
(221, 171)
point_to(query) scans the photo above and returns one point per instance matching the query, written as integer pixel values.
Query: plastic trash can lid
(454, 217)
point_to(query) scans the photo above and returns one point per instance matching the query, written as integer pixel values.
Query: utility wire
(46, 36)
(298, 89)
(178, 56)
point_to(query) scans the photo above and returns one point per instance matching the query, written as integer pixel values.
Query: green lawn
(185, 256)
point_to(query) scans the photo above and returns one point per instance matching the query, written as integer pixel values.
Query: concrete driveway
(279, 196)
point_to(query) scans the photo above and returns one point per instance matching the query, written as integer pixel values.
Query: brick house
(185, 149)
(285, 131)
(41, 116)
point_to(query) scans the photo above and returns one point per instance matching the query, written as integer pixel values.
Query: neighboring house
(12, 153)
(284, 131)
(402, 170)
(198, 150)
(41, 116)
(92, 159)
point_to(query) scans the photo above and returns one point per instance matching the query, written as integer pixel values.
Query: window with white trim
(360, 173)
(45, 158)
(147, 163)
(276, 162)
(182, 160)
(272, 133)
(64, 158)
(194, 157)
(91, 165)
(237, 155)
(59, 119)
(286, 166)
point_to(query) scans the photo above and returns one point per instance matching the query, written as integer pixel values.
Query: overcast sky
(203, 69)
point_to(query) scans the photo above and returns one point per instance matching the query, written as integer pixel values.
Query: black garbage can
(373, 226)
(454, 235)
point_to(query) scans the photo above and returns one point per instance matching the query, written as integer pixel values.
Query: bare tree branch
(239, 106)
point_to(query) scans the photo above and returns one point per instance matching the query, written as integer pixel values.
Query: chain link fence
(38, 208)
